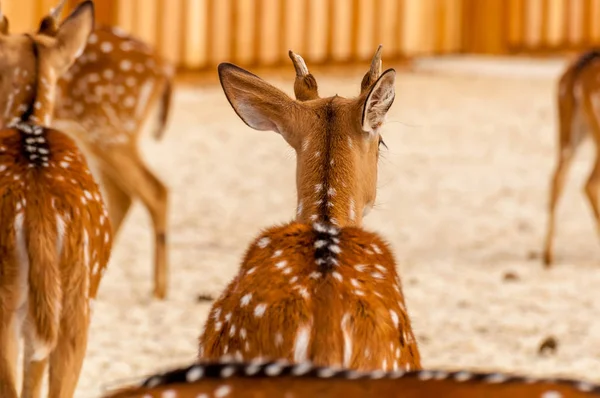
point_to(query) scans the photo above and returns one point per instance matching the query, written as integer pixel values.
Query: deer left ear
(72, 35)
(378, 102)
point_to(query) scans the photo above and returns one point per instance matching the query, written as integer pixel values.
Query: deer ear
(4, 25)
(74, 32)
(378, 101)
(259, 104)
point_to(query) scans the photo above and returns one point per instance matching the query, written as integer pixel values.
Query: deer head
(30, 66)
(336, 139)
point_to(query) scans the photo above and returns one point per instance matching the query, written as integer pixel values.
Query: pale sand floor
(462, 200)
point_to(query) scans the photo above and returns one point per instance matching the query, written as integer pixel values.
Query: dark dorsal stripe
(36, 73)
(585, 59)
(273, 370)
(326, 239)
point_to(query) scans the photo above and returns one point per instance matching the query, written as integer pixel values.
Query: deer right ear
(259, 104)
(74, 32)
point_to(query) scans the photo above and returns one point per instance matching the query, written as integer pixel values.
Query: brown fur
(105, 106)
(55, 238)
(252, 380)
(363, 289)
(320, 288)
(578, 102)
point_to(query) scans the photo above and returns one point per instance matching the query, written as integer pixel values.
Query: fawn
(320, 288)
(115, 89)
(578, 118)
(55, 235)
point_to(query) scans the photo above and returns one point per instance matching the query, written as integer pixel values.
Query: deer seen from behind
(320, 288)
(55, 235)
(578, 103)
(117, 89)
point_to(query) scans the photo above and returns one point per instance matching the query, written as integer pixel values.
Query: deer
(319, 288)
(55, 235)
(257, 379)
(117, 88)
(578, 118)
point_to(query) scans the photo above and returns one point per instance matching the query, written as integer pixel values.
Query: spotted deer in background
(55, 235)
(319, 288)
(105, 101)
(257, 379)
(578, 102)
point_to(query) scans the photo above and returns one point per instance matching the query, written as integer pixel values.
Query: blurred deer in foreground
(320, 288)
(105, 101)
(55, 235)
(578, 117)
(277, 379)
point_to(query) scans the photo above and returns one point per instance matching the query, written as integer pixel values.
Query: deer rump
(330, 296)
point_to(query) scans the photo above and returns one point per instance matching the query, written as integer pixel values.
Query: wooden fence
(200, 33)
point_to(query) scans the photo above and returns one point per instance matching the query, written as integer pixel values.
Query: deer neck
(33, 101)
(327, 184)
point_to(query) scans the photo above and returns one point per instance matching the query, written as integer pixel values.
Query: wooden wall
(200, 33)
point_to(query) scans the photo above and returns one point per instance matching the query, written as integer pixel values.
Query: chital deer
(578, 116)
(320, 288)
(105, 101)
(55, 235)
(279, 379)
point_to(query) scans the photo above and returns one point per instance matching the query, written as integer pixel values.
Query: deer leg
(33, 373)
(558, 183)
(592, 188)
(67, 358)
(117, 199)
(9, 350)
(142, 183)
(154, 196)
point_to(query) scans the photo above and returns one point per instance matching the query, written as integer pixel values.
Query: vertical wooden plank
(587, 22)
(317, 30)
(595, 26)
(533, 26)
(365, 40)
(387, 20)
(244, 51)
(295, 25)
(341, 24)
(415, 16)
(269, 32)
(453, 24)
(220, 34)
(439, 31)
(126, 16)
(106, 12)
(575, 22)
(146, 20)
(401, 17)
(516, 24)
(194, 14)
(554, 34)
(22, 15)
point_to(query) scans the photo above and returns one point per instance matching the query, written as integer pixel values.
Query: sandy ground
(462, 199)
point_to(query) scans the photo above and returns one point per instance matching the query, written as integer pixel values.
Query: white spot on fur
(264, 242)
(277, 253)
(347, 339)
(246, 300)
(259, 310)
(281, 264)
(301, 344)
(222, 391)
(337, 276)
(395, 318)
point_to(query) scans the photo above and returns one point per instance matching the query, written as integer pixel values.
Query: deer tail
(41, 234)
(165, 109)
